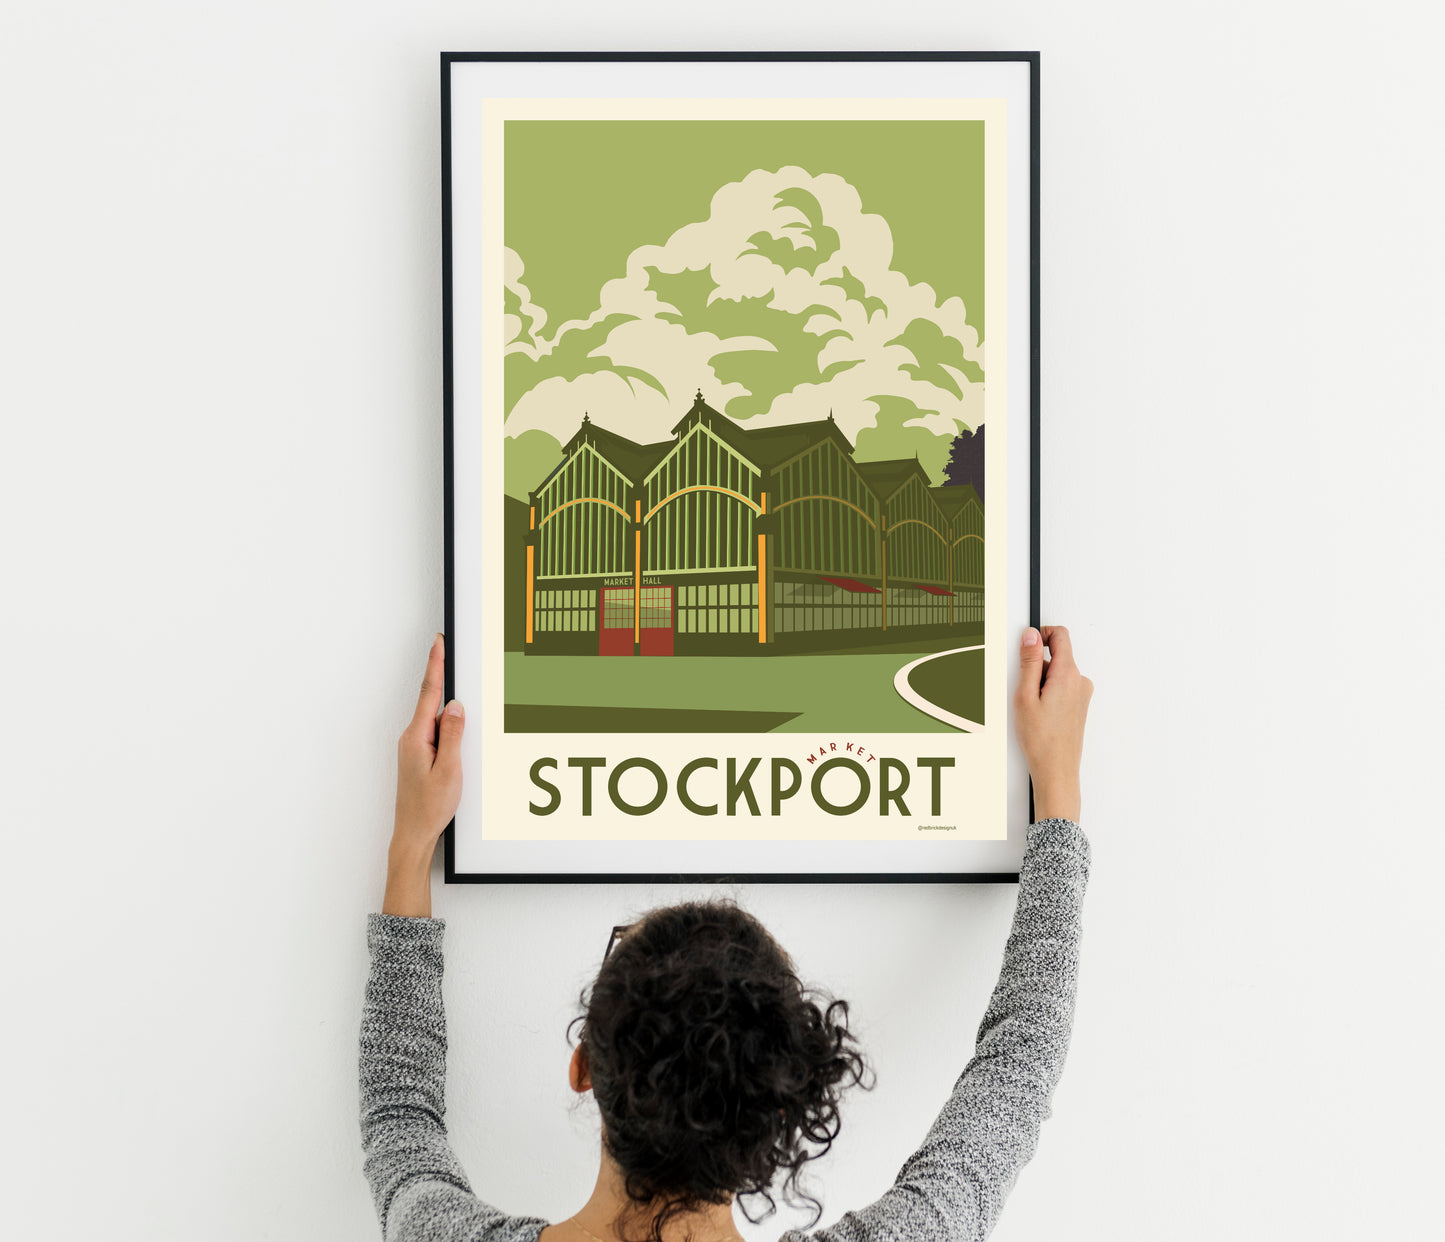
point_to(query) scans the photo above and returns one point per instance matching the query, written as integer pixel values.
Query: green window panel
(554, 614)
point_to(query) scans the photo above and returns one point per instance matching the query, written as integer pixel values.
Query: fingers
(1031, 663)
(449, 737)
(1061, 670)
(429, 702)
(1059, 644)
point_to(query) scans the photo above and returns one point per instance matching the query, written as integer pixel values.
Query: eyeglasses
(617, 934)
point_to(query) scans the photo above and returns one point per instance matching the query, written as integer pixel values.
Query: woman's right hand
(1050, 704)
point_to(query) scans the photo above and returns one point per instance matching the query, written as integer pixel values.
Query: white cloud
(739, 210)
(513, 324)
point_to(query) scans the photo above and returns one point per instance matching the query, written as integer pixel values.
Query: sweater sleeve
(954, 1186)
(417, 1183)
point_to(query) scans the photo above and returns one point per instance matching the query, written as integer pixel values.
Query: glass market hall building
(731, 540)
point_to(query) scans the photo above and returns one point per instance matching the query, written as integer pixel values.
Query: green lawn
(815, 693)
(954, 682)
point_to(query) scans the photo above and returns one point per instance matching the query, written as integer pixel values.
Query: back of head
(712, 1065)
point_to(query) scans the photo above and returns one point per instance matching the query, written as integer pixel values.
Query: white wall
(221, 501)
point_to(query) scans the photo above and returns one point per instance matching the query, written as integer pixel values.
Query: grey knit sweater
(952, 1187)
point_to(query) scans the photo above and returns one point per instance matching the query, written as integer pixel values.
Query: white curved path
(928, 708)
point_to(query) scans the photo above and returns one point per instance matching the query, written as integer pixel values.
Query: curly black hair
(712, 1065)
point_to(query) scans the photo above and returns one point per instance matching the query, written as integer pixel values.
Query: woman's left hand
(428, 789)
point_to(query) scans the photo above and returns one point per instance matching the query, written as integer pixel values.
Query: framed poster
(741, 451)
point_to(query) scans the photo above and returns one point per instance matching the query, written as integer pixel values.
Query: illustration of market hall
(727, 540)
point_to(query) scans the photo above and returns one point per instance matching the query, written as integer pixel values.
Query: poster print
(737, 448)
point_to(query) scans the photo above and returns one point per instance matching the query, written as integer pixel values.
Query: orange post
(637, 575)
(763, 580)
(949, 554)
(530, 551)
(883, 555)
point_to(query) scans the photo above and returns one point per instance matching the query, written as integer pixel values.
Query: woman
(710, 1064)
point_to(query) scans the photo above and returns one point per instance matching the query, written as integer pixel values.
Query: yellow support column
(531, 525)
(949, 554)
(530, 550)
(883, 558)
(637, 576)
(763, 579)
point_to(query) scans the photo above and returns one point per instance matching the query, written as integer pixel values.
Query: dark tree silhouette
(965, 461)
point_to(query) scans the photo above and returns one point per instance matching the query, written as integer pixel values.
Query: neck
(714, 1223)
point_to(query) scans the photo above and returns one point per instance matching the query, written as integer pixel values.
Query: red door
(617, 620)
(657, 621)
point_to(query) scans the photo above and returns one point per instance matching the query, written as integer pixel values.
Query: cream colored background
(975, 790)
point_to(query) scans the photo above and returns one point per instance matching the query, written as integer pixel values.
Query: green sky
(582, 195)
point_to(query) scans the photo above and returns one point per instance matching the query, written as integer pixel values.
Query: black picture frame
(448, 60)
